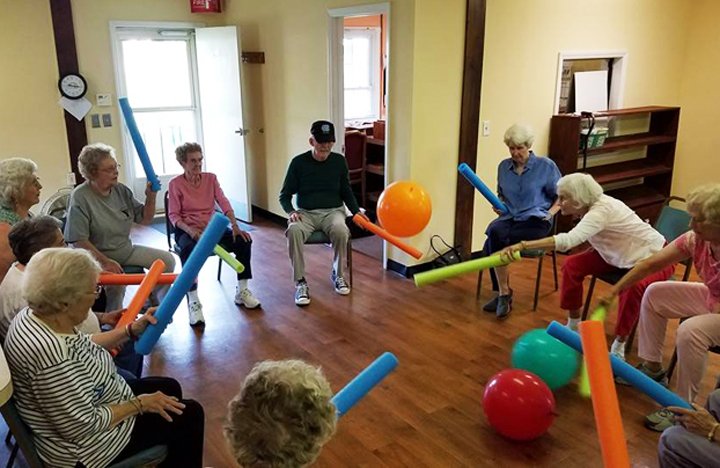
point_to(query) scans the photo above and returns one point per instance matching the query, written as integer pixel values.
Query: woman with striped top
(81, 412)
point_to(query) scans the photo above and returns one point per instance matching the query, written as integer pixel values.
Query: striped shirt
(64, 385)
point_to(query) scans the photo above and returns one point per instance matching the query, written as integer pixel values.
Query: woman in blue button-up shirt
(527, 184)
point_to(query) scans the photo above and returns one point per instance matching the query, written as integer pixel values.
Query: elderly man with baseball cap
(320, 179)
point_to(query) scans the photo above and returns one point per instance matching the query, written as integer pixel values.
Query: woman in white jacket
(619, 240)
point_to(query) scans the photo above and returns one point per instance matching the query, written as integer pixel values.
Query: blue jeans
(502, 233)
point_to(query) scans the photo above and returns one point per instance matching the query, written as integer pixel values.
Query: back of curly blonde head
(705, 201)
(282, 416)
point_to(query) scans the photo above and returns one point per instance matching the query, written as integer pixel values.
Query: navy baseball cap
(323, 131)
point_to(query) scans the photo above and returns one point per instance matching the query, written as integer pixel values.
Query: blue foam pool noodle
(205, 245)
(623, 370)
(489, 195)
(139, 144)
(364, 382)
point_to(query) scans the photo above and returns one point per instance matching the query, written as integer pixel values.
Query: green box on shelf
(597, 137)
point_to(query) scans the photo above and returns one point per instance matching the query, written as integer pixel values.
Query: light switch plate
(103, 100)
(486, 128)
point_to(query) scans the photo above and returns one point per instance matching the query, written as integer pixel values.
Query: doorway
(171, 74)
(359, 71)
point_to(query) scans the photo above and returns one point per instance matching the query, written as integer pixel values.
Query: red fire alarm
(205, 6)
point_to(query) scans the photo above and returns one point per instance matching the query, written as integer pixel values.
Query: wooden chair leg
(586, 307)
(538, 276)
(479, 285)
(554, 260)
(349, 260)
(13, 455)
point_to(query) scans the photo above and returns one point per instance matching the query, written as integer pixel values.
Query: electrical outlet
(95, 120)
(103, 100)
(70, 179)
(486, 128)
(106, 120)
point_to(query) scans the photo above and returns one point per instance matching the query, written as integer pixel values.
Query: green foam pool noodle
(439, 274)
(229, 259)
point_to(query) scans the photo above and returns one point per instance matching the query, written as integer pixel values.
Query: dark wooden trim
(469, 120)
(64, 32)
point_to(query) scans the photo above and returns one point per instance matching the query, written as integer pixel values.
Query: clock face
(72, 86)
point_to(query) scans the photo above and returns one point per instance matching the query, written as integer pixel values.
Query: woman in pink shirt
(192, 200)
(698, 303)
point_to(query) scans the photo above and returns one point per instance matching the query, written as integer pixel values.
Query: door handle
(242, 131)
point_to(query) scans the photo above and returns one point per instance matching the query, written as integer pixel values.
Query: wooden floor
(428, 412)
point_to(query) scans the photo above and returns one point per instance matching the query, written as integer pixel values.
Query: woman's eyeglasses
(97, 292)
(111, 170)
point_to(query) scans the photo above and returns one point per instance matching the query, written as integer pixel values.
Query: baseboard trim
(270, 216)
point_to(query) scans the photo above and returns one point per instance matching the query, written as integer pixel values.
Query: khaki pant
(676, 300)
(332, 223)
(144, 257)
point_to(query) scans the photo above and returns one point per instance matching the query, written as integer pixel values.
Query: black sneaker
(504, 306)
(493, 304)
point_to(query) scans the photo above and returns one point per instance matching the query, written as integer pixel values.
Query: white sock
(618, 347)
(242, 284)
(192, 296)
(572, 323)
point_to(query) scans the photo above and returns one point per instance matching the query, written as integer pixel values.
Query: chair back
(355, 150)
(20, 431)
(672, 222)
(169, 228)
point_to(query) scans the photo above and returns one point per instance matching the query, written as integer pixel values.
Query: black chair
(170, 233)
(672, 223)
(531, 253)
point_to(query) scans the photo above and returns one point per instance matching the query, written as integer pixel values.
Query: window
(157, 75)
(361, 50)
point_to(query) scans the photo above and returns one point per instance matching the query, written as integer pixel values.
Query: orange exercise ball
(404, 208)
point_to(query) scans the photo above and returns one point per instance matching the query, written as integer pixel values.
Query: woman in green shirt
(19, 191)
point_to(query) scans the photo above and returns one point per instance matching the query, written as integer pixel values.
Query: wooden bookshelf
(655, 169)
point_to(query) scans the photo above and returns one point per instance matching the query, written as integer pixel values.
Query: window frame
(374, 34)
(122, 30)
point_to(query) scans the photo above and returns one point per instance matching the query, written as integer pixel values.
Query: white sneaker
(302, 294)
(246, 298)
(617, 349)
(196, 314)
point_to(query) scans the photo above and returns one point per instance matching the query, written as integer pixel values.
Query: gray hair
(15, 174)
(31, 235)
(57, 277)
(282, 416)
(519, 134)
(182, 151)
(705, 200)
(91, 156)
(581, 188)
